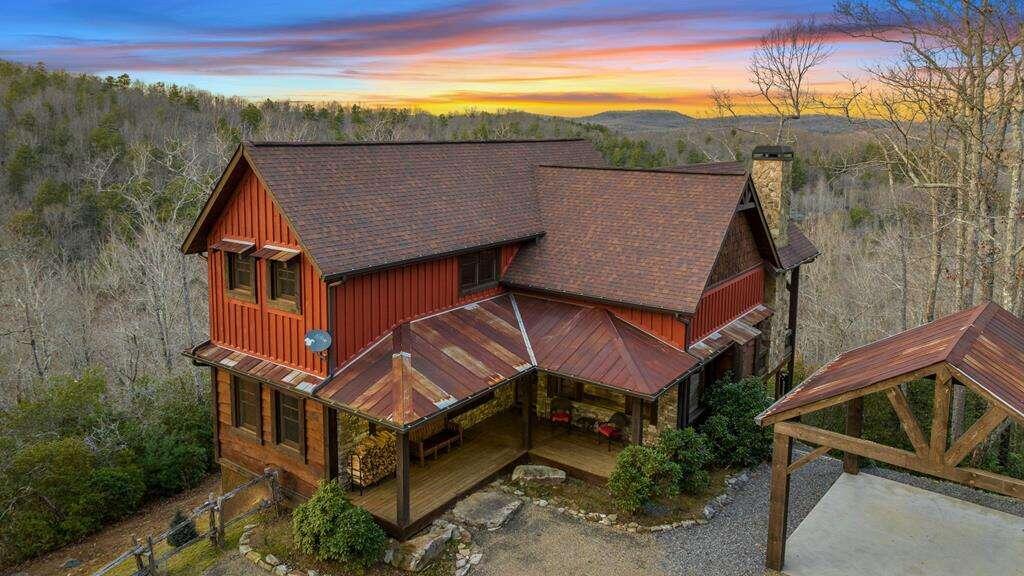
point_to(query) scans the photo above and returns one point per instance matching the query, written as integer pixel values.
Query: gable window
(478, 270)
(246, 405)
(284, 283)
(239, 270)
(288, 421)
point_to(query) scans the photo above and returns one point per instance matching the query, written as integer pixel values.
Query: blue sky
(558, 56)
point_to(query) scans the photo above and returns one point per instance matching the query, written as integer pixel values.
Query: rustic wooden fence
(143, 553)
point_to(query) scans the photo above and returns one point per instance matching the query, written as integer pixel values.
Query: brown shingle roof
(643, 237)
(983, 345)
(798, 249)
(362, 206)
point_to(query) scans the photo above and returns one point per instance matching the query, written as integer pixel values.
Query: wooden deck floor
(487, 449)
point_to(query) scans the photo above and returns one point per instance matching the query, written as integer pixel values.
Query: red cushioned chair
(561, 412)
(612, 429)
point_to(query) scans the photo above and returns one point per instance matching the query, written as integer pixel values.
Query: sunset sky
(559, 57)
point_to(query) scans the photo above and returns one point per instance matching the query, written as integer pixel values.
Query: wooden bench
(434, 437)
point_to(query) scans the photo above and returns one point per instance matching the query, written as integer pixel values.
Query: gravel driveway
(538, 541)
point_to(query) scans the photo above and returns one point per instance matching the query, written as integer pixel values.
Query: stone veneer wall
(667, 410)
(503, 400)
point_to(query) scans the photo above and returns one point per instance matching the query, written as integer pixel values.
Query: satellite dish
(318, 340)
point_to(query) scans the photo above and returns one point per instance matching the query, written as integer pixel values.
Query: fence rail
(143, 553)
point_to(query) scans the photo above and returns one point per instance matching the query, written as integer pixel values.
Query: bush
(119, 491)
(641, 474)
(329, 527)
(736, 440)
(183, 530)
(691, 452)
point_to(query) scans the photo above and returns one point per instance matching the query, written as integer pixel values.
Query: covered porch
(441, 404)
(490, 447)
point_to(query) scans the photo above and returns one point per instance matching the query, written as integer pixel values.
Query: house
(472, 291)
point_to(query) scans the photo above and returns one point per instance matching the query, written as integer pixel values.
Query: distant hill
(638, 120)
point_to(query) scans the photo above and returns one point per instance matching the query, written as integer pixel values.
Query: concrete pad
(871, 526)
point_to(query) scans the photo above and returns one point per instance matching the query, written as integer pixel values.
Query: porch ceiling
(427, 366)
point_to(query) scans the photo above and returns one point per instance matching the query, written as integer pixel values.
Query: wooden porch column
(854, 425)
(638, 421)
(526, 401)
(330, 432)
(402, 480)
(778, 504)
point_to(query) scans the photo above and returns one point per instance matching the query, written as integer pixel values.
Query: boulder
(488, 510)
(535, 474)
(416, 554)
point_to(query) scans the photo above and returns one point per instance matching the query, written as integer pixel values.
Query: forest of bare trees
(909, 181)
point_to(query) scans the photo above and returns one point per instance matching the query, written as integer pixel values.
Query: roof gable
(359, 207)
(983, 346)
(647, 238)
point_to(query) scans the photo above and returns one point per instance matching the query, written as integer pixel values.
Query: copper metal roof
(425, 366)
(254, 367)
(592, 344)
(739, 331)
(984, 346)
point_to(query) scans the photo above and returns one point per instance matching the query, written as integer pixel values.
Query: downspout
(794, 298)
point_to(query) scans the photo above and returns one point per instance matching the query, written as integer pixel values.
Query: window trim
(477, 285)
(285, 304)
(246, 295)
(300, 446)
(236, 411)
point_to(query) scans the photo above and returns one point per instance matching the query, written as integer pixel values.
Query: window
(696, 391)
(288, 420)
(284, 283)
(246, 404)
(478, 270)
(239, 275)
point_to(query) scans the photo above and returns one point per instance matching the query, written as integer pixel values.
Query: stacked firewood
(373, 459)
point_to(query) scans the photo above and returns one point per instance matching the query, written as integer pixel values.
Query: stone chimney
(770, 171)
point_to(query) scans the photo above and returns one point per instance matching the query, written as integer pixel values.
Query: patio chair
(613, 428)
(561, 412)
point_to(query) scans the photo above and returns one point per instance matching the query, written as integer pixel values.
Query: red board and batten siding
(369, 305)
(255, 328)
(724, 302)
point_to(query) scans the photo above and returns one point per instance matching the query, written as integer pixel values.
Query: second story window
(478, 270)
(240, 275)
(284, 283)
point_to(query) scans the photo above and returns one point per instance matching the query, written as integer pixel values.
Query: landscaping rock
(71, 563)
(536, 474)
(489, 510)
(272, 560)
(414, 555)
(709, 512)
(281, 569)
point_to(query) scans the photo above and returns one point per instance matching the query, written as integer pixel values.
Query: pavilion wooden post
(940, 415)
(854, 426)
(402, 480)
(778, 505)
(526, 399)
(637, 421)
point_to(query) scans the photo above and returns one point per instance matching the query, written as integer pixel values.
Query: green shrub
(119, 491)
(641, 474)
(691, 452)
(171, 465)
(182, 530)
(736, 440)
(329, 527)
